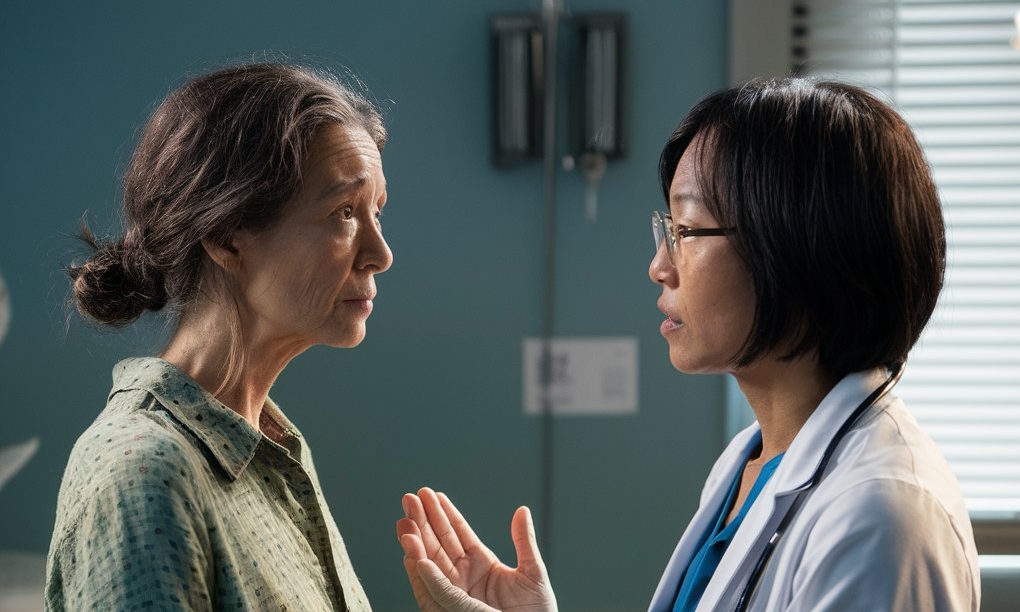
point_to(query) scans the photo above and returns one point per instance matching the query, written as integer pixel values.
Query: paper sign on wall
(586, 375)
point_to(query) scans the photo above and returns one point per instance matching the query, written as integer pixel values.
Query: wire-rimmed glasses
(663, 230)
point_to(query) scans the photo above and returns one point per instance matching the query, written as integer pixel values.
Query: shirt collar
(226, 434)
(805, 453)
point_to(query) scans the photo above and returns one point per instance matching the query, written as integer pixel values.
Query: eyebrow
(686, 196)
(342, 187)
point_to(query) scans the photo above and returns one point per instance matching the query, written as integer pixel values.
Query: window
(950, 69)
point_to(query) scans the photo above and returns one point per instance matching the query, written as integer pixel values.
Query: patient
(251, 210)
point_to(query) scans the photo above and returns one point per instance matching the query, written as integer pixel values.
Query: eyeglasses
(663, 230)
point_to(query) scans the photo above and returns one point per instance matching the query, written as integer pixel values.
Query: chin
(349, 339)
(684, 367)
(680, 364)
(351, 343)
(686, 364)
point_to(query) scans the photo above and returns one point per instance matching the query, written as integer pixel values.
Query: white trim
(1004, 565)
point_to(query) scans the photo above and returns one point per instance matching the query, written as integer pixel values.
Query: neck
(200, 347)
(783, 394)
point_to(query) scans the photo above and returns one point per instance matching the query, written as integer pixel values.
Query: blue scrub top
(713, 544)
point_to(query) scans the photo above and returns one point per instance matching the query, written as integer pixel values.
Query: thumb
(449, 597)
(522, 530)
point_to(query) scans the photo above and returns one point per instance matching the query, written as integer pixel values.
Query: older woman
(803, 253)
(252, 206)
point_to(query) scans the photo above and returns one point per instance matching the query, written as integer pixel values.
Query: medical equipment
(759, 566)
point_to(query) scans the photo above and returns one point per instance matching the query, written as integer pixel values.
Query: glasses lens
(659, 231)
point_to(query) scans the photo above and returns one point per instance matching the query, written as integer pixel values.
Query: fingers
(439, 521)
(414, 552)
(415, 510)
(406, 526)
(411, 543)
(466, 535)
(522, 530)
(448, 596)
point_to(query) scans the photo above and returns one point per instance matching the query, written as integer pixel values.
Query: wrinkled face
(310, 278)
(707, 292)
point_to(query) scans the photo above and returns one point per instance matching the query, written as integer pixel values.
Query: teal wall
(433, 395)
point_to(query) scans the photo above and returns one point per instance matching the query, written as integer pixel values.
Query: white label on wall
(586, 375)
(5, 309)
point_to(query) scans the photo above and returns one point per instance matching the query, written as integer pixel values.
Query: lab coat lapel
(716, 488)
(794, 472)
(727, 583)
(805, 453)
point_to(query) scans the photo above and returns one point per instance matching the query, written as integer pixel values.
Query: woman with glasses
(803, 252)
(251, 209)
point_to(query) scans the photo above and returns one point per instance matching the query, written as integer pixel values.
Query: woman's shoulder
(133, 460)
(891, 477)
(891, 445)
(133, 437)
(893, 538)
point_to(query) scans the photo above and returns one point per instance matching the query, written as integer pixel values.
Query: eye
(378, 217)
(346, 212)
(682, 230)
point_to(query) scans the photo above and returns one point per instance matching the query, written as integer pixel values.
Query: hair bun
(117, 284)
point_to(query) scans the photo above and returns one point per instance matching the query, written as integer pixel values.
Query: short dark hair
(220, 154)
(836, 213)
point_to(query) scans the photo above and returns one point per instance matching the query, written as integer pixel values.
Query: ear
(226, 255)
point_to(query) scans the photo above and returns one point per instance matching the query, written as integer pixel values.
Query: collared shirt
(171, 500)
(710, 553)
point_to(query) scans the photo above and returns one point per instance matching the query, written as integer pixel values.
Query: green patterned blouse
(172, 501)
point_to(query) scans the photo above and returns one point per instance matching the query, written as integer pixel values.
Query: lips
(361, 295)
(368, 297)
(670, 324)
(360, 301)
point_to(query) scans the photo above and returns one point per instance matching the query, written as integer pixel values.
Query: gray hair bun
(117, 283)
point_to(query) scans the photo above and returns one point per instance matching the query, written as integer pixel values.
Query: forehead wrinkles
(346, 160)
(349, 151)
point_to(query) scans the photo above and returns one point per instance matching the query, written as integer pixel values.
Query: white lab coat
(885, 529)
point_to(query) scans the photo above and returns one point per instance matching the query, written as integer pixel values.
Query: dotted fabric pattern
(172, 501)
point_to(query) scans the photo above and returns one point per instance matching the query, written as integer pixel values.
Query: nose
(660, 268)
(374, 253)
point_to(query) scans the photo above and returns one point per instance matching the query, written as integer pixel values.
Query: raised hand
(450, 570)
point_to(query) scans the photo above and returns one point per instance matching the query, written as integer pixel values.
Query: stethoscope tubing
(759, 567)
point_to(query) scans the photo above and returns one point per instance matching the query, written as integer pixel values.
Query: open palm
(451, 570)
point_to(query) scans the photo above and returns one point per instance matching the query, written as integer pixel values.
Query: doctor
(803, 253)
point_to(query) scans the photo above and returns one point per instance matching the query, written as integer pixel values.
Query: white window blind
(949, 68)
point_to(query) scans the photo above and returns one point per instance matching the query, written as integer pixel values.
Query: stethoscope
(763, 559)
